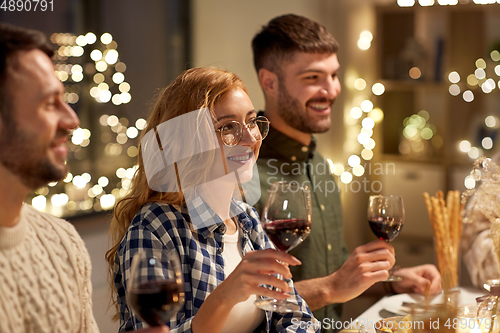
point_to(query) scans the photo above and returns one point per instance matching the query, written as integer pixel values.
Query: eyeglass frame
(246, 126)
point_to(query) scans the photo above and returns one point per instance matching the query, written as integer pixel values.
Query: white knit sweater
(44, 277)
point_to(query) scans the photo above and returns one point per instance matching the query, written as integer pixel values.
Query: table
(391, 304)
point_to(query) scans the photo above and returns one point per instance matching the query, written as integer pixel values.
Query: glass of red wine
(386, 216)
(155, 290)
(286, 219)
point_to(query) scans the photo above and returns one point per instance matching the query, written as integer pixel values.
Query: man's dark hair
(284, 35)
(14, 39)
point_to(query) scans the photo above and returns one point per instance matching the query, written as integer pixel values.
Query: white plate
(394, 303)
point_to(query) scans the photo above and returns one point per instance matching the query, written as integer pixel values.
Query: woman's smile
(243, 158)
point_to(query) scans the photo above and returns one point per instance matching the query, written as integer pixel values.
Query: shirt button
(305, 148)
(322, 207)
(329, 247)
(293, 158)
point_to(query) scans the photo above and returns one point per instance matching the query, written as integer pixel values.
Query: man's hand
(367, 265)
(423, 279)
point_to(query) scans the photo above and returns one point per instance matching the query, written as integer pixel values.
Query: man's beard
(23, 155)
(296, 116)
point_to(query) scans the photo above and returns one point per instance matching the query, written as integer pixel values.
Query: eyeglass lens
(233, 132)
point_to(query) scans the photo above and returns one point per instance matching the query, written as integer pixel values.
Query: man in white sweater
(44, 265)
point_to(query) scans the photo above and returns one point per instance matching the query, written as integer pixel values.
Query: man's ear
(269, 82)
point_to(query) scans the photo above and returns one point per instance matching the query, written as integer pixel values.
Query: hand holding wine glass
(286, 219)
(386, 216)
(156, 289)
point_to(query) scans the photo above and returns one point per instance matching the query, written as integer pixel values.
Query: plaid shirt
(170, 228)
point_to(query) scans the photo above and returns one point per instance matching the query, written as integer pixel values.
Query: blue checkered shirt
(170, 228)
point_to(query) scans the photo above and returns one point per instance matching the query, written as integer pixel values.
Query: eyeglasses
(232, 132)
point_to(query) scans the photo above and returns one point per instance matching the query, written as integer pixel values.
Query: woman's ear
(269, 82)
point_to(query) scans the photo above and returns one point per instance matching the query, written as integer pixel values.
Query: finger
(430, 272)
(376, 245)
(375, 266)
(274, 254)
(435, 287)
(376, 276)
(273, 281)
(266, 266)
(378, 255)
(421, 286)
(250, 283)
(265, 292)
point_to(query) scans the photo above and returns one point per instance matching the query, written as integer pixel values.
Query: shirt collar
(206, 221)
(277, 143)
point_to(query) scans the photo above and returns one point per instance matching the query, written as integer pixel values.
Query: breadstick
(458, 214)
(460, 209)
(444, 212)
(452, 223)
(446, 222)
(428, 204)
(450, 198)
(439, 234)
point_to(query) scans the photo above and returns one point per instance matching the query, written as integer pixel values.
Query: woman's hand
(256, 269)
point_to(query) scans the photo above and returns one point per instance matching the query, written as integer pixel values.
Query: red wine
(156, 302)
(386, 228)
(287, 233)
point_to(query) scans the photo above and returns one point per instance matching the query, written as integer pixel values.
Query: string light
(360, 84)
(365, 40)
(468, 96)
(346, 177)
(418, 135)
(464, 146)
(487, 85)
(354, 160)
(406, 3)
(491, 121)
(427, 3)
(378, 89)
(105, 73)
(367, 116)
(469, 182)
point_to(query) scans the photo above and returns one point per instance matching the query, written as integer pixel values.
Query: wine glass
(156, 290)
(286, 219)
(386, 215)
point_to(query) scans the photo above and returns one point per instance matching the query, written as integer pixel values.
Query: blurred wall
(223, 31)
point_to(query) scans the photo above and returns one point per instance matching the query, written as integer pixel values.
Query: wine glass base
(276, 305)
